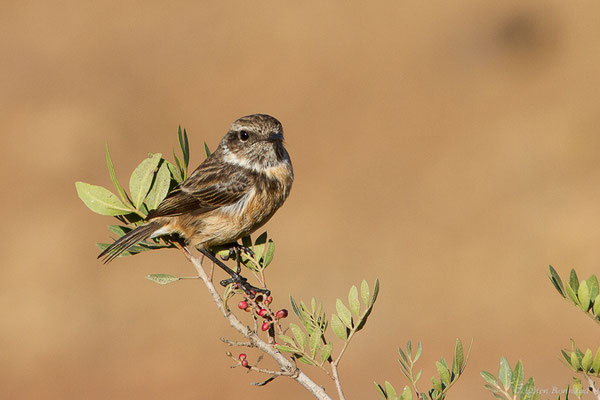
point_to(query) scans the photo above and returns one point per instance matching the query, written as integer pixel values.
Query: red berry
(262, 312)
(281, 314)
(265, 326)
(245, 363)
(242, 305)
(242, 356)
(268, 300)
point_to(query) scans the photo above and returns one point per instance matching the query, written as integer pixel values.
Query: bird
(231, 194)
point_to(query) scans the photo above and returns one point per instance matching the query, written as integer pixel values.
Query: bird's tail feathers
(129, 239)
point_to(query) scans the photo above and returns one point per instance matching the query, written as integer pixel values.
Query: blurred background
(449, 149)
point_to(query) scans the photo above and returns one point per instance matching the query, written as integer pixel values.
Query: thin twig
(592, 386)
(234, 343)
(287, 367)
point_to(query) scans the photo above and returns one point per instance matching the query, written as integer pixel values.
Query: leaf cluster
(509, 383)
(309, 342)
(263, 251)
(586, 361)
(149, 184)
(447, 375)
(584, 294)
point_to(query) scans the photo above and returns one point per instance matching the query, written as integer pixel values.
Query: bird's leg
(236, 248)
(236, 278)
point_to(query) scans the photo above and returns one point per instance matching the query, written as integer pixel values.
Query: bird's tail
(129, 239)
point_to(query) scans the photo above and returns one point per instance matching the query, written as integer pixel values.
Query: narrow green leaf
(113, 177)
(119, 230)
(175, 172)
(574, 361)
(443, 373)
(353, 301)
(338, 327)
(588, 358)
(571, 294)
(556, 281)
(141, 179)
(343, 313)
(419, 351)
(437, 385)
(583, 294)
(489, 378)
(403, 356)
(206, 150)
(101, 200)
(326, 352)
(162, 279)
(596, 362)
(288, 340)
(528, 390)
(577, 387)
(247, 241)
(159, 188)
(574, 280)
(596, 308)
(390, 391)
(406, 394)
(298, 335)
(313, 343)
(364, 292)
(517, 378)
(592, 283)
(269, 252)
(504, 373)
(186, 150)
(567, 356)
(375, 292)
(380, 390)
(303, 359)
(285, 349)
(458, 359)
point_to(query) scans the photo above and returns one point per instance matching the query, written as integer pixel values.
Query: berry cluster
(265, 312)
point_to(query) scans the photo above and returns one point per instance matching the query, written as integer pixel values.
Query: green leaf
(269, 252)
(326, 351)
(259, 245)
(353, 300)
(574, 280)
(343, 313)
(159, 188)
(583, 293)
(288, 340)
(101, 200)
(185, 147)
(556, 281)
(574, 361)
(141, 179)
(298, 335)
(517, 378)
(596, 363)
(364, 292)
(504, 373)
(175, 172)
(596, 308)
(303, 359)
(113, 177)
(206, 150)
(390, 391)
(588, 358)
(314, 341)
(119, 230)
(528, 390)
(571, 294)
(458, 359)
(419, 351)
(338, 327)
(489, 378)
(375, 292)
(380, 390)
(406, 394)
(592, 283)
(285, 349)
(443, 373)
(162, 279)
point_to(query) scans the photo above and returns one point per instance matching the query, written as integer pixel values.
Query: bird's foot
(242, 283)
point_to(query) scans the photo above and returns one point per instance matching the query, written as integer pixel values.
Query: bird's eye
(244, 136)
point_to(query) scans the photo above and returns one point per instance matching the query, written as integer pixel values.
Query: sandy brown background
(448, 148)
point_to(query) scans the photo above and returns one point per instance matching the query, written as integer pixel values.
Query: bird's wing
(207, 188)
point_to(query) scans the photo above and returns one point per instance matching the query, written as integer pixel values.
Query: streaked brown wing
(209, 187)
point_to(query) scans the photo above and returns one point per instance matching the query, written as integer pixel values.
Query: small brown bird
(235, 191)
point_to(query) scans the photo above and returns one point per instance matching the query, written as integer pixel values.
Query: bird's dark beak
(275, 137)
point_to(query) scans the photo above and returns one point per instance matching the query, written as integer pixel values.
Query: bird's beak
(275, 137)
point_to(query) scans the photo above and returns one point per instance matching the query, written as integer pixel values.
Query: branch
(592, 386)
(286, 366)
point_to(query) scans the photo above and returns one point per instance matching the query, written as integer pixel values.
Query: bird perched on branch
(236, 190)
